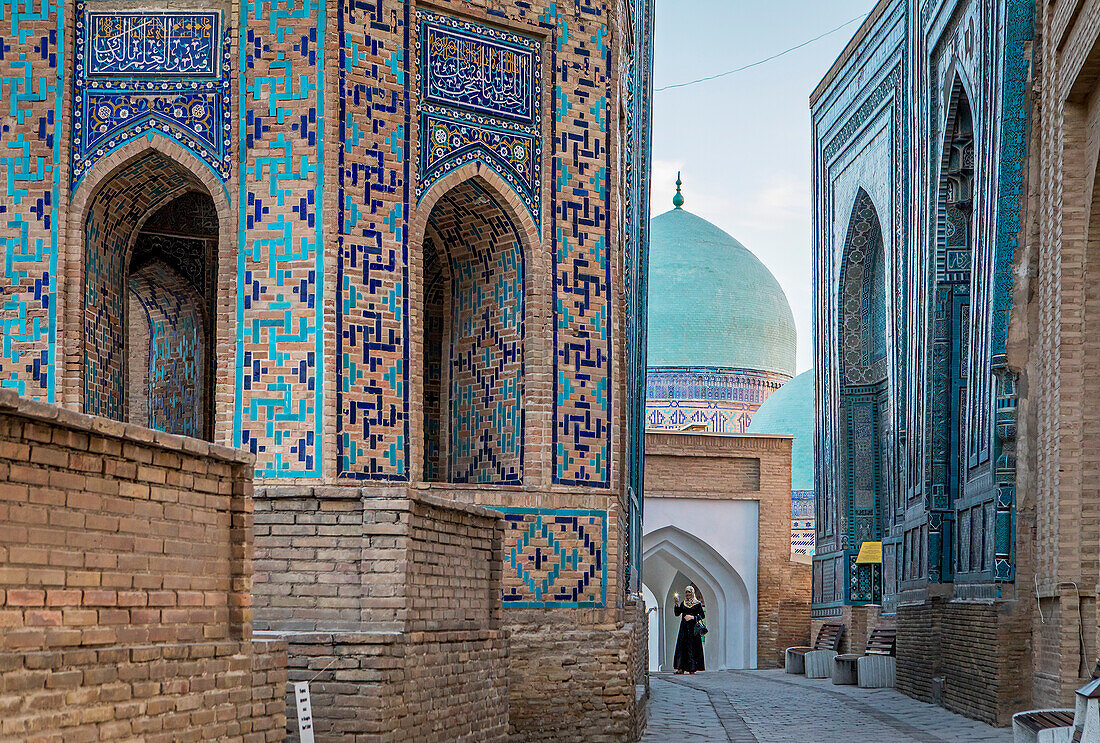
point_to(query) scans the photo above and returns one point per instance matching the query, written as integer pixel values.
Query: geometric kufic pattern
(480, 100)
(554, 558)
(280, 354)
(139, 71)
(32, 55)
(372, 304)
(580, 243)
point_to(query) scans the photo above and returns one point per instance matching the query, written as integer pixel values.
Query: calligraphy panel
(152, 44)
(137, 72)
(480, 100)
(490, 71)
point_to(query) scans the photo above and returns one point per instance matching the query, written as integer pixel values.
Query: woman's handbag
(701, 628)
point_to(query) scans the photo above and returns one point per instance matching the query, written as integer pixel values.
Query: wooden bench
(1038, 725)
(816, 661)
(875, 667)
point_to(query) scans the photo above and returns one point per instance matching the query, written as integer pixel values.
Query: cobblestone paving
(774, 707)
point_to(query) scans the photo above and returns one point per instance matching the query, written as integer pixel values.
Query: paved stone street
(773, 707)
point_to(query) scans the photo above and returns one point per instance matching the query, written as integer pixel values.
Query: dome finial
(678, 199)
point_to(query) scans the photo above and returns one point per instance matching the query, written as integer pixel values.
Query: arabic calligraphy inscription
(152, 44)
(478, 73)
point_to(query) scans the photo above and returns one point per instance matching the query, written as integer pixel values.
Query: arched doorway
(653, 620)
(150, 263)
(673, 559)
(864, 390)
(473, 339)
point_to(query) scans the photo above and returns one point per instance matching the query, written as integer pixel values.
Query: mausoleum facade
(396, 252)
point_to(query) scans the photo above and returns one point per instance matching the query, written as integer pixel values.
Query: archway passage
(473, 334)
(150, 268)
(674, 559)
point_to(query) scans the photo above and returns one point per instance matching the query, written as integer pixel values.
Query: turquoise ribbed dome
(789, 411)
(712, 303)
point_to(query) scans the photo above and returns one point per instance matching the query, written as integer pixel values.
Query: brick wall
(125, 585)
(966, 656)
(568, 668)
(1059, 344)
(393, 687)
(390, 606)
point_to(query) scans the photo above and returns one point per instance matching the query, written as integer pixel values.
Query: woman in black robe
(689, 643)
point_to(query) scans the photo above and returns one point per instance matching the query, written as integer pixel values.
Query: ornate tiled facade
(700, 399)
(332, 141)
(920, 154)
(935, 368)
(555, 558)
(802, 522)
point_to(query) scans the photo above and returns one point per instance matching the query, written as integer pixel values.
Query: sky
(742, 142)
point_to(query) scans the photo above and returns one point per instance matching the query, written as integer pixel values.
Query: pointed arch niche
(473, 335)
(148, 278)
(951, 326)
(863, 390)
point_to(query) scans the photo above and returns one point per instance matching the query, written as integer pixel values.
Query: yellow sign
(870, 552)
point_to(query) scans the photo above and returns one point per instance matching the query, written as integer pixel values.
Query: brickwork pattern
(589, 667)
(224, 691)
(388, 687)
(125, 588)
(965, 656)
(392, 604)
(1059, 346)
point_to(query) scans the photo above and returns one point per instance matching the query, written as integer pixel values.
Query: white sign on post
(305, 711)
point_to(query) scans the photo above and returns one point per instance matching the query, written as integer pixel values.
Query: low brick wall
(390, 605)
(392, 687)
(565, 669)
(125, 577)
(969, 656)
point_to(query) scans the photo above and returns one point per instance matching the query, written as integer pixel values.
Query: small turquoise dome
(712, 303)
(790, 412)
